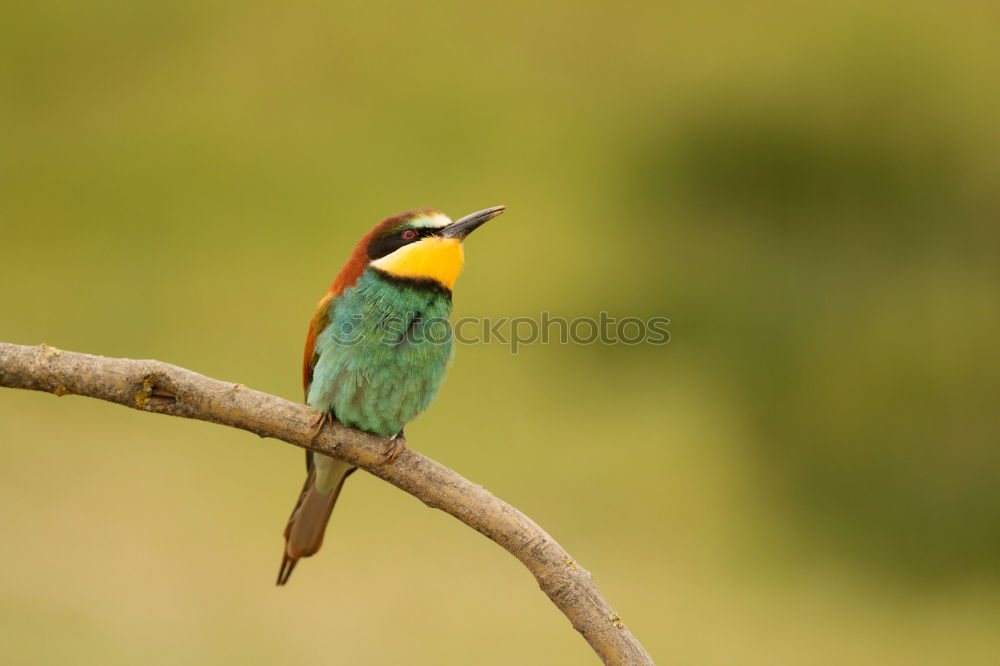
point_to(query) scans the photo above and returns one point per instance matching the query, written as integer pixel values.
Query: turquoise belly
(383, 355)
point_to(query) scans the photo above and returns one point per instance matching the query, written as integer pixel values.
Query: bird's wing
(320, 320)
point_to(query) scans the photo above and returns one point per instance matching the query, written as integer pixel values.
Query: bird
(376, 350)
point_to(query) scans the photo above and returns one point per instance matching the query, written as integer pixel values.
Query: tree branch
(154, 386)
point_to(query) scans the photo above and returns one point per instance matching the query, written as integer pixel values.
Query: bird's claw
(396, 446)
(322, 418)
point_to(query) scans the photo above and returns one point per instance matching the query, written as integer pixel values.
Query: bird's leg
(396, 446)
(322, 418)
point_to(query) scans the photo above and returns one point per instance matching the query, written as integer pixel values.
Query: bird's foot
(396, 446)
(322, 418)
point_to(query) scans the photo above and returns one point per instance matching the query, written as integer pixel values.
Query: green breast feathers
(383, 354)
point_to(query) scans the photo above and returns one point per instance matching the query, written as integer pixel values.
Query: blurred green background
(809, 473)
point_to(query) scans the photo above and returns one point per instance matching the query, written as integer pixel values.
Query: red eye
(409, 234)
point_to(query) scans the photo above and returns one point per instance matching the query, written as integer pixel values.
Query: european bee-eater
(377, 349)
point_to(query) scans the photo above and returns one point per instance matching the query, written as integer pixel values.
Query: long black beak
(463, 227)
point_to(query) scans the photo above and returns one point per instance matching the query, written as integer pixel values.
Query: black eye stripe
(380, 247)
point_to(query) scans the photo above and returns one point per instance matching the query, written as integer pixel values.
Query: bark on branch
(154, 386)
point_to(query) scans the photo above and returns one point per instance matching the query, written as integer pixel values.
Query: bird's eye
(409, 234)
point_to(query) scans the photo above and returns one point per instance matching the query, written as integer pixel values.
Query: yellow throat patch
(432, 258)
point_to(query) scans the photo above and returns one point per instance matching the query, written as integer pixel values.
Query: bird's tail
(304, 532)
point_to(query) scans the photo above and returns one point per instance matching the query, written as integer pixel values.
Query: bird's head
(416, 245)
